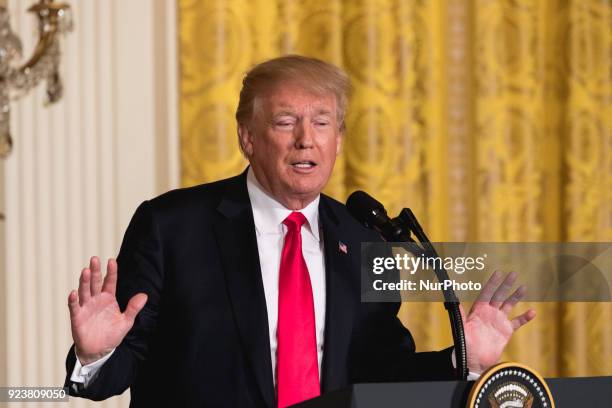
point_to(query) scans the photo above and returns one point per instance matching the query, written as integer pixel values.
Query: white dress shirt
(268, 215)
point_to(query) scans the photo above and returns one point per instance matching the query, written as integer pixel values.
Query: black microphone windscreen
(363, 207)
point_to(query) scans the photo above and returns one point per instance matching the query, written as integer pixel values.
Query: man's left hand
(488, 327)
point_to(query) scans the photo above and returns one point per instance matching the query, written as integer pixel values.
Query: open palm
(488, 327)
(97, 323)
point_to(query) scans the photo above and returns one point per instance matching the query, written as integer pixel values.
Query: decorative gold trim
(497, 368)
(54, 18)
(46, 39)
(41, 48)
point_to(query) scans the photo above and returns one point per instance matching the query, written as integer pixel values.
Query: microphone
(372, 214)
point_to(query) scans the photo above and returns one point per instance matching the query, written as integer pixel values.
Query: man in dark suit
(245, 292)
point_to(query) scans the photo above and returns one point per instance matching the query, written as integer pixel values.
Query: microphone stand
(403, 225)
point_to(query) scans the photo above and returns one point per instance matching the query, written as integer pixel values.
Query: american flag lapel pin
(342, 247)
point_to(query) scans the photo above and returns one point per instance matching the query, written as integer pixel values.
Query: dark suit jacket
(202, 338)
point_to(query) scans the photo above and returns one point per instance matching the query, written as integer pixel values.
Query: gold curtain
(491, 119)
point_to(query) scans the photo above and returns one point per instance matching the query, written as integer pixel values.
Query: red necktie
(297, 365)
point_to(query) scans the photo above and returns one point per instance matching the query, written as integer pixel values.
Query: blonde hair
(314, 75)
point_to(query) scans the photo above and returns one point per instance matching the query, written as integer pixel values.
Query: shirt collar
(269, 214)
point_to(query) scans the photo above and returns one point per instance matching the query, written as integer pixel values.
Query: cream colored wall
(3, 350)
(80, 168)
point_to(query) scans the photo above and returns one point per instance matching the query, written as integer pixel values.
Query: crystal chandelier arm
(48, 14)
(45, 41)
(53, 19)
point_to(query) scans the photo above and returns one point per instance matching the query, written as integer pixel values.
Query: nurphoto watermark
(570, 272)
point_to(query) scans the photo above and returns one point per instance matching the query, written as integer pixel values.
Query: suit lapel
(235, 231)
(339, 299)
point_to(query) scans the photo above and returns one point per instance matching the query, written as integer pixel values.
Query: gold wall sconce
(54, 20)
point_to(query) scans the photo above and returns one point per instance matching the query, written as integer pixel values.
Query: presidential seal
(510, 385)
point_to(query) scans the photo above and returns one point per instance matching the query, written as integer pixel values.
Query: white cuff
(85, 374)
(471, 376)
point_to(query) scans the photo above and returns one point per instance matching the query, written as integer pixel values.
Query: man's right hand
(97, 324)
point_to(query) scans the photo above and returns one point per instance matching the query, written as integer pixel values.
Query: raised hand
(97, 324)
(488, 327)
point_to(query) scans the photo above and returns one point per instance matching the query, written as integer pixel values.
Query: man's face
(292, 143)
